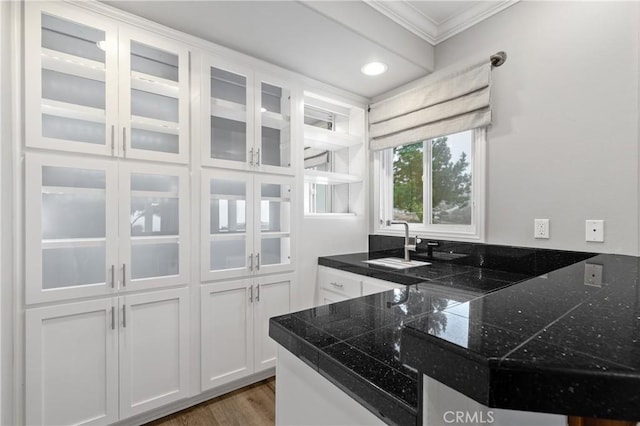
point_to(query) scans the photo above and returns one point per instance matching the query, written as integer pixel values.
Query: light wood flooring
(251, 405)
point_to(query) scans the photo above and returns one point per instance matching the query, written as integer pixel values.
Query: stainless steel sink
(396, 263)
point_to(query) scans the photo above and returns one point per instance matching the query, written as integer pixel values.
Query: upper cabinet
(99, 87)
(246, 120)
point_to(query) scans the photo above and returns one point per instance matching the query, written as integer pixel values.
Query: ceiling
(325, 40)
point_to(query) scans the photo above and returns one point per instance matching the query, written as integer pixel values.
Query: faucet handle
(418, 240)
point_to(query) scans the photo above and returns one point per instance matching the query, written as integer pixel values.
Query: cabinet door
(227, 224)
(272, 298)
(228, 115)
(226, 332)
(273, 222)
(154, 350)
(154, 97)
(70, 79)
(372, 285)
(154, 235)
(273, 150)
(327, 297)
(70, 227)
(72, 364)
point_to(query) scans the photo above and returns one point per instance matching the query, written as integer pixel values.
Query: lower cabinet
(235, 316)
(99, 361)
(335, 285)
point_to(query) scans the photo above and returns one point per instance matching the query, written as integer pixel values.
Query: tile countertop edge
(603, 382)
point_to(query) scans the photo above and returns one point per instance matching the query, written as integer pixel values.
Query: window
(436, 185)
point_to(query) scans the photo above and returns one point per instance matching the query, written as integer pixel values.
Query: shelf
(329, 178)
(154, 239)
(73, 243)
(71, 190)
(228, 236)
(153, 125)
(77, 112)
(279, 199)
(324, 139)
(274, 234)
(72, 65)
(228, 110)
(237, 112)
(154, 194)
(274, 120)
(152, 84)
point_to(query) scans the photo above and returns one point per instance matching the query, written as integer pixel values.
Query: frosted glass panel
(73, 266)
(275, 251)
(154, 260)
(276, 134)
(228, 139)
(275, 208)
(72, 38)
(154, 205)
(73, 88)
(151, 105)
(154, 141)
(228, 206)
(228, 86)
(73, 203)
(153, 61)
(228, 254)
(73, 215)
(271, 98)
(73, 129)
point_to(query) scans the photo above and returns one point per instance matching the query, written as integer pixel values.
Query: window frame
(383, 197)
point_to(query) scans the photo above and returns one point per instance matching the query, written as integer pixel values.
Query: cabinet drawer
(374, 285)
(339, 282)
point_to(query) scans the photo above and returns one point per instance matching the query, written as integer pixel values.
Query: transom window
(436, 185)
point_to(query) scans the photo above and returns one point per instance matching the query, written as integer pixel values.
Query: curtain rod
(498, 59)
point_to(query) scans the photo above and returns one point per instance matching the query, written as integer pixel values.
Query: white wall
(6, 206)
(564, 139)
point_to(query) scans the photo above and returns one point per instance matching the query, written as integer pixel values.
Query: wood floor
(252, 405)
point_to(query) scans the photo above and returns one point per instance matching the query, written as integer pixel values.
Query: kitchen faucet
(407, 246)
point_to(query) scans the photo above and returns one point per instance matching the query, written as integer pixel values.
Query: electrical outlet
(595, 231)
(541, 228)
(593, 274)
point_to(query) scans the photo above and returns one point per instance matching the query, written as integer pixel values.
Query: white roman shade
(449, 101)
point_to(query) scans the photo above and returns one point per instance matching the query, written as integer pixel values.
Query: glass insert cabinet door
(154, 97)
(70, 79)
(246, 119)
(71, 227)
(273, 126)
(227, 224)
(273, 223)
(153, 226)
(228, 121)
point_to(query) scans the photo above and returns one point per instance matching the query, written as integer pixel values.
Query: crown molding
(458, 23)
(405, 14)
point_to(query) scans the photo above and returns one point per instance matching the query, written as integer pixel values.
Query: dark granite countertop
(547, 343)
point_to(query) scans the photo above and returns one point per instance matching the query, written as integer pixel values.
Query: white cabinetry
(374, 285)
(246, 121)
(246, 224)
(78, 211)
(96, 86)
(235, 326)
(335, 285)
(82, 356)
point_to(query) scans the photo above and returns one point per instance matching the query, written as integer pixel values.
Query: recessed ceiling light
(374, 68)
(102, 45)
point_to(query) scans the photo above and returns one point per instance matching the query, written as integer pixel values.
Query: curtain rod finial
(498, 59)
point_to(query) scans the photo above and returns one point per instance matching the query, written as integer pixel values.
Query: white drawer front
(339, 282)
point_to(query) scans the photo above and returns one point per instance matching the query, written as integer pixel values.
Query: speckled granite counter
(549, 343)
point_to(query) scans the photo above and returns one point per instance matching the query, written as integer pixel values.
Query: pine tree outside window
(436, 185)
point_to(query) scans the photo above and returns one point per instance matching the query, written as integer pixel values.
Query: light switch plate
(594, 231)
